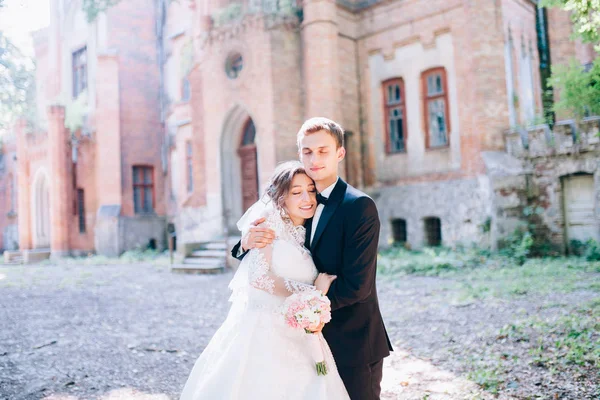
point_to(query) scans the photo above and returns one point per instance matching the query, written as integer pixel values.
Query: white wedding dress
(254, 354)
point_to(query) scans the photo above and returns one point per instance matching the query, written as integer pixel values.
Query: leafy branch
(585, 15)
(578, 86)
(92, 8)
(17, 84)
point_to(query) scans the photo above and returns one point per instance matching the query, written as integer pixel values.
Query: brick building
(430, 93)
(90, 176)
(426, 95)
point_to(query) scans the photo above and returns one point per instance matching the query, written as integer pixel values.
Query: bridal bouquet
(308, 310)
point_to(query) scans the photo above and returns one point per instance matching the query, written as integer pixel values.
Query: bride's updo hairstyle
(281, 182)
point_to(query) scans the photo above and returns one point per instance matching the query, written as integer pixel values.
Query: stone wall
(116, 234)
(529, 187)
(462, 205)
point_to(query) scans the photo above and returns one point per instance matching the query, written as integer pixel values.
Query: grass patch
(398, 261)
(570, 341)
(481, 275)
(488, 379)
(536, 276)
(567, 345)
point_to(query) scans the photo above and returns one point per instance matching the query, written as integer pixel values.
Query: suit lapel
(337, 195)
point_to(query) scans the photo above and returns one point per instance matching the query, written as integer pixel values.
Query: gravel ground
(134, 332)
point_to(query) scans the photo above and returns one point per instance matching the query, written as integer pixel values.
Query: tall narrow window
(510, 80)
(189, 166)
(185, 89)
(395, 115)
(437, 119)
(399, 230)
(433, 231)
(74, 183)
(81, 210)
(79, 71)
(13, 193)
(143, 189)
(526, 84)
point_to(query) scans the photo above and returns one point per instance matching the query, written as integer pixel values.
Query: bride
(254, 354)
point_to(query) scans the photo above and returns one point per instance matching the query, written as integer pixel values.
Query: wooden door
(249, 164)
(579, 208)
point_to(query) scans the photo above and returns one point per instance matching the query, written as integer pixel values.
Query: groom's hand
(258, 237)
(323, 282)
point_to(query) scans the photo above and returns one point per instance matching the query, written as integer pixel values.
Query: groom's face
(320, 155)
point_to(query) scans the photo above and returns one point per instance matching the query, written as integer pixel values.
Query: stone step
(197, 269)
(213, 246)
(209, 262)
(208, 253)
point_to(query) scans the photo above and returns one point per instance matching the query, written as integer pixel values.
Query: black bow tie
(322, 199)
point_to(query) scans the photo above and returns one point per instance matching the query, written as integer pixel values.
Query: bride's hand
(323, 282)
(258, 237)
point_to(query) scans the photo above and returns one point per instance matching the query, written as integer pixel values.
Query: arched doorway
(249, 165)
(41, 211)
(239, 167)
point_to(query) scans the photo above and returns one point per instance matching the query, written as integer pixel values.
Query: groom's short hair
(317, 124)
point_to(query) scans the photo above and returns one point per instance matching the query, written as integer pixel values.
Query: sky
(20, 17)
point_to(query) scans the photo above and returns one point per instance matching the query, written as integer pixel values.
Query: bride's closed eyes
(299, 192)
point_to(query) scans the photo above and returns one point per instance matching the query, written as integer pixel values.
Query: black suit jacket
(345, 244)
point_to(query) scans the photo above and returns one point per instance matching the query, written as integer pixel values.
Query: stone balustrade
(566, 138)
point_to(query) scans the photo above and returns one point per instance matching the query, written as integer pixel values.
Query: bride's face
(301, 200)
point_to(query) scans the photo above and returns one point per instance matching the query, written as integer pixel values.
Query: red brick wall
(132, 33)
(86, 180)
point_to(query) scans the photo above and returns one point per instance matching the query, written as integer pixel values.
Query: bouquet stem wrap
(316, 352)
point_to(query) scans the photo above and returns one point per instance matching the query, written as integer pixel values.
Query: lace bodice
(284, 267)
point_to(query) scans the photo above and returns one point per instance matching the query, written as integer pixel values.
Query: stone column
(60, 184)
(24, 194)
(320, 59)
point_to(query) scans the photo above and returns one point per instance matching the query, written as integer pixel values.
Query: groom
(342, 237)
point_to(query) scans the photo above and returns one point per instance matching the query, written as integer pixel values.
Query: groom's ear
(341, 153)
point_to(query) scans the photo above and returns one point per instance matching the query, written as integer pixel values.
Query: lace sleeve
(261, 276)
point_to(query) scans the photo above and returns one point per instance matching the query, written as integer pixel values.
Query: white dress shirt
(325, 193)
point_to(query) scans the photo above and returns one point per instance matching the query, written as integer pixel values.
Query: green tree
(585, 15)
(17, 84)
(579, 87)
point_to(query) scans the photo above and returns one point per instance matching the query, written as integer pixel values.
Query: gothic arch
(236, 121)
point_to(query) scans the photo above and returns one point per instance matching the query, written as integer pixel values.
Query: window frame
(78, 89)
(189, 166)
(427, 221)
(426, 99)
(386, 114)
(186, 89)
(142, 185)
(81, 210)
(394, 222)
